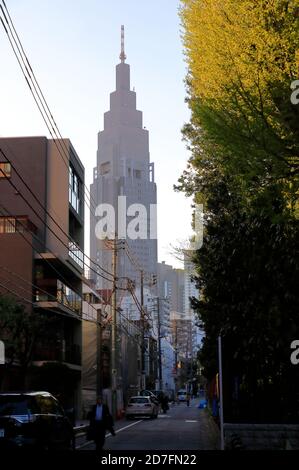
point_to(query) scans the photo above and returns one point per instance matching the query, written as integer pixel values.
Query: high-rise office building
(124, 180)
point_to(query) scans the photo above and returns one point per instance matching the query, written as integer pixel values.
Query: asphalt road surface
(181, 428)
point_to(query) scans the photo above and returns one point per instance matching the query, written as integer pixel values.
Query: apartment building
(41, 256)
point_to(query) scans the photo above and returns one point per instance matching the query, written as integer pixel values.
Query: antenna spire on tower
(122, 54)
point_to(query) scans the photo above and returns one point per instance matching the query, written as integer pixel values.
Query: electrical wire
(60, 276)
(31, 284)
(26, 68)
(45, 223)
(24, 64)
(52, 218)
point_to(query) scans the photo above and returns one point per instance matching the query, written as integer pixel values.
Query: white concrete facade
(124, 169)
(190, 290)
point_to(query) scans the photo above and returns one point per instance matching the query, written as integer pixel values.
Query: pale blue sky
(73, 46)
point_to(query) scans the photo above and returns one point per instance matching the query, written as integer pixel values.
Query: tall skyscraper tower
(123, 178)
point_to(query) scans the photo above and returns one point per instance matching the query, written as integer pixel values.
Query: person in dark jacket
(164, 402)
(188, 397)
(100, 420)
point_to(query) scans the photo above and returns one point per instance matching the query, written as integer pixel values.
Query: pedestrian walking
(164, 402)
(100, 420)
(188, 399)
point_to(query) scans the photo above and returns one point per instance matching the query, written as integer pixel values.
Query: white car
(142, 406)
(182, 395)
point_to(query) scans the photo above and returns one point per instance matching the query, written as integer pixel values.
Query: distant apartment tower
(124, 169)
(41, 255)
(178, 290)
(164, 292)
(190, 291)
(171, 285)
(175, 287)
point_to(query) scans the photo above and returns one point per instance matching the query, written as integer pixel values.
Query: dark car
(33, 419)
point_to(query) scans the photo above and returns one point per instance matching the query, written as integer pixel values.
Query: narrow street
(182, 428)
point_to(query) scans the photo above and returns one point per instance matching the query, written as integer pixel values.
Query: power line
(60, 276)
(31, 284)
(26, 68)
(40, 98)
(23, 59)
(33, 304)
(47, 212)
(44, 223)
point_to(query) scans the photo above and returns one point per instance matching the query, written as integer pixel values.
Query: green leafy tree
(243, 138)
(20, 329)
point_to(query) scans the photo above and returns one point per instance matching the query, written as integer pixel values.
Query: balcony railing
(62, 294)
(69, 298)
(76, 254)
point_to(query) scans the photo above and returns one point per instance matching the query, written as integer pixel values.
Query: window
(16, 405)
(137, 173)
(139, 400)
(48, 405)
(74, 190)
(21, 224)
(6, 169)
(76, 254)
(105, 168)
(15, 224)
(10, 225)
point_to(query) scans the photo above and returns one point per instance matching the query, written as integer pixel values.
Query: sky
(73, 47)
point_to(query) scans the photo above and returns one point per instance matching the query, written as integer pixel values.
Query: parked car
(182, 395)
(142, 406)
(33, 419)
(148, 393)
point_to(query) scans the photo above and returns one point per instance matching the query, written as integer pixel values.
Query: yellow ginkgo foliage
(240, 43)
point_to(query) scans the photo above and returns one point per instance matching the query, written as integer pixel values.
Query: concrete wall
(58, 200)
(16, 256)
(261, 436)
(29, 156)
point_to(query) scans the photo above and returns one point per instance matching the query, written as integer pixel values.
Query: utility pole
(220, 392)
(159, 345)
(99, 330)
(142, 334)
(113, 329)
(176, 353)
(192, 362)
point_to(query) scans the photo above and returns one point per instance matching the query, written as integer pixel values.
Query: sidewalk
(209, 433)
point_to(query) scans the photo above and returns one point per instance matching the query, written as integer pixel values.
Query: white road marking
(191, 420)
(126, 427)
(109, 434)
